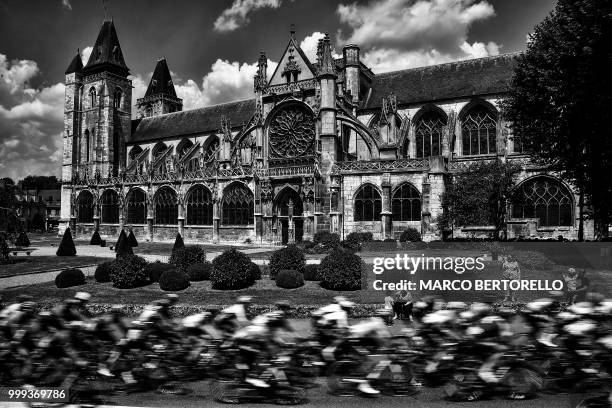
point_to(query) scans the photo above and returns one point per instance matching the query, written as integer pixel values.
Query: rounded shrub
(341, 270)
(255, 271)
(354, 240)
(155, 269)
(132, 239)
(22, 240)
(199, 271)
(184, 257)
(326, 241)
(70, 277)
(66, 247)
(123, 247)
(129, 272)
(178, 242)
(290, 257)
(173, 280)
(102, 273)
(95, 238)
(289, 279)
(410, 234)
(311, 273)
(231, 270)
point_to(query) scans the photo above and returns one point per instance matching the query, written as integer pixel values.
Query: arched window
(368, 204)
(211, 149)
(134, 152)
(85, 207)
(109, 207)
(479, 131)
(136, 204)
(159, 149)
(406, 204)
(238, 205)
(429, 134)
(199, 206)
(545, 199)
(166, 206)
(183, 147)
(118, 98)
(92, 97)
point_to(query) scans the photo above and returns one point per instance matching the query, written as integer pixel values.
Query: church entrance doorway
(289, 210)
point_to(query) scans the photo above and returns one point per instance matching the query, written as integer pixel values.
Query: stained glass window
(406, 204)
(136, 203)
(85, 207)
(109, 207)
(238, 205)
(429, 134)
(545, 199)
(479, 131)
(166, 206)
(199, 206)
(368, 204)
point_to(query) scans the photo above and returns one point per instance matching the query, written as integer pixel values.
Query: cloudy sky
(211, 47)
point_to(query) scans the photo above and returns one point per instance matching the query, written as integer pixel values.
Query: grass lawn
(30, 264)
(264, 292)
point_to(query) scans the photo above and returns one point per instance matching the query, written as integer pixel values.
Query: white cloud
(66, 4)
(310, 43)
(238, 14)
(85, 53)
(30, 119)
(399, 34)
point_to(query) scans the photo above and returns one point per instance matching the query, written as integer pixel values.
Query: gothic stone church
(325, 145)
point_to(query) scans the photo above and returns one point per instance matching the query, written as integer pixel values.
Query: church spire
(76, 65)
(326, 62)
(161, 81)
(106, 54)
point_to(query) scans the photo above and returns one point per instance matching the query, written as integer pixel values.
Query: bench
(27, 251)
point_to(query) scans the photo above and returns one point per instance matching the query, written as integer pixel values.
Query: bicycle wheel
(523, 382)
(337, 376)
(227, 392)
(290, 396)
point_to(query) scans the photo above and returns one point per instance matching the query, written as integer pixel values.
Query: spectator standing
(403, 305)
(571, 285)
(511, 271)
(583, 285)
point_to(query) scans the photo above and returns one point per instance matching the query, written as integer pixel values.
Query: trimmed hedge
(103, 272)
(66, 247)
(123, 247)
(156, 269)
(199, 271)
(70, 277)
(255, 271)
(178, 243)
(341, 270)
(231, 270)
(311, 272)
(290, 257)
(132, 239)
(129, 272)
(410, 234)
(22, 240)
(326, 241)
(354, 240)
(184, 257)
(95, 238)
(289, 279)
(173, 280)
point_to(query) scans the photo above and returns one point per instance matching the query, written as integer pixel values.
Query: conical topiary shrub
(178, 243)
(95, 238)
(22, 240)
(66, 247)
(132, 239)
(123, 247)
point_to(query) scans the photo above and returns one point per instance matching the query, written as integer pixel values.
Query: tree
(95, 238)
(479, 196)
(560, 103)
(40, 183)
(123, 247)
(178, 242)
(132, 239)
(66, 247)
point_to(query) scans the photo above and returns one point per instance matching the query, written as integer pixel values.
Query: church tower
(106, 100)
(160, 97)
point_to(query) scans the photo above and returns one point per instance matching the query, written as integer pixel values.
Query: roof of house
(161, 81)
(76, 65)
(480, 76)
(195, 121)
(106, 53)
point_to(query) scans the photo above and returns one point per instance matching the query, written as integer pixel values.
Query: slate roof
(480, 76)
(76, 65)
(195, 121)
(106, 53)
(161, 81)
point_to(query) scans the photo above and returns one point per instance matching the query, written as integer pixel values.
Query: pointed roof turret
(106, 54)
(76, 65)
(161, 81)
(326, 62)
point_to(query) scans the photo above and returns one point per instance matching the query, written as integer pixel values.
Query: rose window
(292, 133)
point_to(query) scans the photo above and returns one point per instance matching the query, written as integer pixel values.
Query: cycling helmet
(439, 317)
(540, 305)
(456, 306)
(82, 296)
(245, 300)
(343, 302)
(582, 308)
(172, 298)
(580, 328)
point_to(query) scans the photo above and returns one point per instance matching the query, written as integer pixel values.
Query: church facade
(323, 145)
